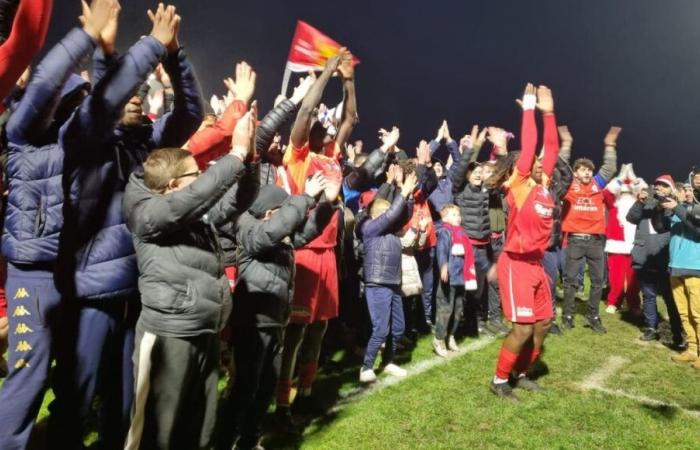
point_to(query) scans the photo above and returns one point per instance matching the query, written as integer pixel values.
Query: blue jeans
(386, 311)
(34, 318)
(654, 283)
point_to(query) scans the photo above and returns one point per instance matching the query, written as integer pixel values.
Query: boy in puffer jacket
(455, 258)
(382, 276)
(172, 213)
(267, 234)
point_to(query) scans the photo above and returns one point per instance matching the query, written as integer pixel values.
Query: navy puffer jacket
(34, 215)
(382, 248)
(96, 254)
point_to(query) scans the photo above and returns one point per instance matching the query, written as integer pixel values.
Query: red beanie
(667, 180)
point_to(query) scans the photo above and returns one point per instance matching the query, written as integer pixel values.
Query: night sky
(633, 63)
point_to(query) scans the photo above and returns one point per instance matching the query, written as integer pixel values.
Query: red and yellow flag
(311, 49)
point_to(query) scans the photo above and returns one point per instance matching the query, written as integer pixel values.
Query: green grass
(450, 406)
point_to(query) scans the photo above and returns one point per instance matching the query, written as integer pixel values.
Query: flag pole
(285, 80)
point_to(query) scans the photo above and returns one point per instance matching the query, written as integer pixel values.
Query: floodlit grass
(450, 406)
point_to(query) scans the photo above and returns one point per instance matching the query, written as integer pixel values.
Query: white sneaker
(611, 309)
(452, 344)
(367, 376)
(439, 347)
(393, 369)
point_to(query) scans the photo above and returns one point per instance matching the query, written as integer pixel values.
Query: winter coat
(684, 247)
(266, 257)
(650, 250)
(34, 215)
(96, 253)
(382, 248)
(184, 291)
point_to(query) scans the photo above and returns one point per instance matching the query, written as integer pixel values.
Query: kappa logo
(20, 311)
(20, 294)
(23, 346)
(22, 328)
(21, 363)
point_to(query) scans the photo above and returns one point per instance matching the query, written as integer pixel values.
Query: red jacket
(210, 144)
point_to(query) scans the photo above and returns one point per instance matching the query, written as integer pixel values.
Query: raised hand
(643, 195)
(529, 100)
(346, 69)
(389, 139)
(334, 61)
(611, 138)
(315, 185)
(565, 135)
(96, 16)
(545, 101)
(303, 88)
(423, 153)
(409, 184)
(108, 37)
(243, 87)
(446, 132)
(423, 223)
(244, 133)
(332, 190)
(166, 25)
(498, 137)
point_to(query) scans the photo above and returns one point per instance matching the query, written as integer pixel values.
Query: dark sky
(633, 63)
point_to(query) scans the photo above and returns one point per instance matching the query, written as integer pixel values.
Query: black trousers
(579, 251)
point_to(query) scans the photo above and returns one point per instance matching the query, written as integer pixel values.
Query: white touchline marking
(596, 382)
(361, 392)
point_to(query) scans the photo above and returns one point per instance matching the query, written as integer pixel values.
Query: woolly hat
(667, 180)
(269, 197)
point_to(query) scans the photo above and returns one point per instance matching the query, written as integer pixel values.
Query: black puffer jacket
(244, 193)
(266, 257)
(473, 201)
(559, 186)
(184, 291)
(650, 251)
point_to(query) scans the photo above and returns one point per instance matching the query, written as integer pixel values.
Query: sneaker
(503, 390)
(554, 330)
(452, 344)
(567, 322)
(367, 376)
(526, 384)
(439, 347)
(611, 309)
(685, 357)
(393, 369)
(649, 334)
(595, 324)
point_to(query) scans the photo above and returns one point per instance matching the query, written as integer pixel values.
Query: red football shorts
(524, 287)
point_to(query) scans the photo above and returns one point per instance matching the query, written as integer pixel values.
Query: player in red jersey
(523, 283)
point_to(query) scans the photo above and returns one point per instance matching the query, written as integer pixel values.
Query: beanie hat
(667, 180)
(269, 197)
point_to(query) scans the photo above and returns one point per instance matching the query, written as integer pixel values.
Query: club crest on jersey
(543, 210)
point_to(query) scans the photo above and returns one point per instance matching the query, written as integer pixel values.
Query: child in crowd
(455, 259)
(382, 275)
(171, 211)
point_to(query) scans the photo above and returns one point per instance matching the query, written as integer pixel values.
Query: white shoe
(367, 376)
(611, 309)
(452, 344)
(393, 369)
(439, 347)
